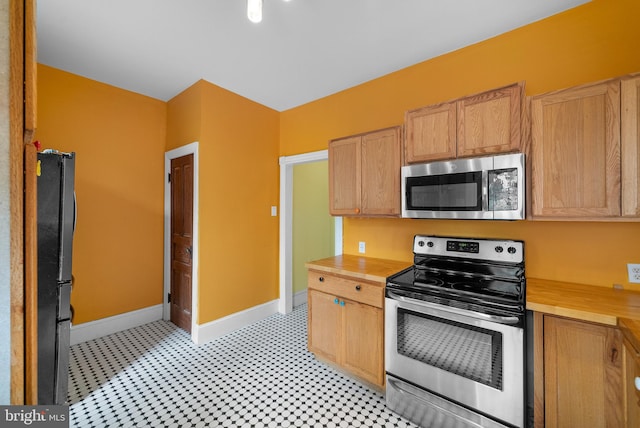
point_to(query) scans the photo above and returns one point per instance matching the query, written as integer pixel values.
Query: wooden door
(632, 394)
(630, 141)
(344, 176)
(431, 133)
(324, 325)
(576, 152)
(181, 240)
(490, 122)
(380, 167)
(583, 374)
(363, 341)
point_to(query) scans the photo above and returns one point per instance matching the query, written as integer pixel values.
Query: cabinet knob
(637, 382)
(336, 300)
(321, 279)
(358, 288)
(342, 303)
(357, 210)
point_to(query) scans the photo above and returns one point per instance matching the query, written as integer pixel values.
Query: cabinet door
(576, 152)
(583, 370)
(363, 341)
(630, 140)
(490, 122)
(381, 172)
(430, 133)
(344, 176)
(632, 393)
(324, 325)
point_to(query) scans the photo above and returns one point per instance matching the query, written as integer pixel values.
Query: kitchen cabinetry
(631, 385)
(345, 324)
(582, 374)
(364, 174)
(630, 141)
(585, 151)
(477, 125)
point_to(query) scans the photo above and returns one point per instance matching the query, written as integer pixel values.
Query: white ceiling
(301, 51)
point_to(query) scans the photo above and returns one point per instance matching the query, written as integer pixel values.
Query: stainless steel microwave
(487, 188)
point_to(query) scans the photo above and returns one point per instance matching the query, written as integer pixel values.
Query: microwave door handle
(485, 191)
(457, 311)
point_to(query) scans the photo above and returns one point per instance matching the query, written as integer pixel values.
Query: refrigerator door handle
(75, 212)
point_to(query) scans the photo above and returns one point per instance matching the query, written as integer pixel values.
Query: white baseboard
(102, 327)
(300, 298)
(204, 333)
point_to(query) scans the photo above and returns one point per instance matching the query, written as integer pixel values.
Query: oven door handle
(473, 314)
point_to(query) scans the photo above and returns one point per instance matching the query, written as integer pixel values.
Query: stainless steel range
(455, 334)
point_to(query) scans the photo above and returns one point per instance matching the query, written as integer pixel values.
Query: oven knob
(430, 244)
(511, 250)
(421, 243)
(499, 249)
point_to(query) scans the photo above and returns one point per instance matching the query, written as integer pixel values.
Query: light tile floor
(259, 376)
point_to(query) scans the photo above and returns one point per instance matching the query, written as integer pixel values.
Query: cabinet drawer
(358, 291)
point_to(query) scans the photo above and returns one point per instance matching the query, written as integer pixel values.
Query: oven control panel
(507, 251)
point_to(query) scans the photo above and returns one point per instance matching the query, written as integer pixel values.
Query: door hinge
(169, 177)
(169, 298)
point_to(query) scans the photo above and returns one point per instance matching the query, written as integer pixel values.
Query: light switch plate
(634, 272)
(361, 247)
(274, 211)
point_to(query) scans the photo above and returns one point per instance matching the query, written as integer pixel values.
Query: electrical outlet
(634, 272)
(361, 247)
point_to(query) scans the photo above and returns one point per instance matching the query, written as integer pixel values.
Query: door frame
(187, 149)
(285, 303)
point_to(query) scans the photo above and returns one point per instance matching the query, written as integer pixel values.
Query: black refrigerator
(56, 224)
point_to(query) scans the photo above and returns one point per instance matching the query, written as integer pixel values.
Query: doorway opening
(287, 164)
(189, 251)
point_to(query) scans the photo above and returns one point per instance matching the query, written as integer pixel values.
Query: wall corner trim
(105, 326)
(204, 333)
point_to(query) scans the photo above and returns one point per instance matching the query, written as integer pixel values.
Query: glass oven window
(447, 192)
(472, 352)
(503, 189)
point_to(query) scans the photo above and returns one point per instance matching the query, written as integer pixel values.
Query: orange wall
(238, 149)
(119, 138)
(598, 40)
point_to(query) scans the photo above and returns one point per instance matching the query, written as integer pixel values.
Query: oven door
(461, 355)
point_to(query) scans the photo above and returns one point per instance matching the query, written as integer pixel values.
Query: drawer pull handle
(358, 288)
(321, 279)
(614, 355)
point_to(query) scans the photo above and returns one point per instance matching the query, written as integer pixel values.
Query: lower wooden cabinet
(583, 365)
(346, 324)
(631, 389)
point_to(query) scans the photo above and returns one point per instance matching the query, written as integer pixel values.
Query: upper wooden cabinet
(630, 142)
(578, 135)
(364, 174)
(477, 125)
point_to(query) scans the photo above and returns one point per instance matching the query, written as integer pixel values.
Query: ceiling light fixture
(254, 10)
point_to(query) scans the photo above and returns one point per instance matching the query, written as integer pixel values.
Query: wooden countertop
(588, 303)
(365, 268)
(601, 305)
(584, 302)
